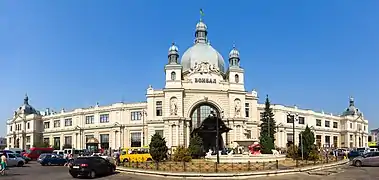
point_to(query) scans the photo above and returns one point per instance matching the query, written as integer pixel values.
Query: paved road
(38, 172)
(345, 172)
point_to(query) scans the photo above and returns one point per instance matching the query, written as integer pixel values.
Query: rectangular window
(68, 140)
(136, 115)
(335, 141)
(359, 127)
(351, 125)
(104, 118)
(57, 123)
(28, 125)
(327, 141)
(318, 122)
(364, 128)
(10, 128)
(301, 120)
(27, 139)
(135, 139)
(289, 138)
(247, 109)
(57, 142)
(90, 119)
(68, 122)
(248, 134)
(160, 132)
(335, 125)
(46, 125)
(159, 108)
(290, 118)
(318, 140)
(327, 123)
(104, 141)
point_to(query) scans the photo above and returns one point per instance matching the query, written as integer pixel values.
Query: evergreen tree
(306, 142)
(268, 128)
(196, 146)
(158, 148)
(266, 143)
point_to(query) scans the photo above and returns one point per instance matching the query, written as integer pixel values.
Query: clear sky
(71, 53)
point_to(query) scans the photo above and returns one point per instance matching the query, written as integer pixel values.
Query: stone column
(188, 133)
(178, 135)
(170, 135)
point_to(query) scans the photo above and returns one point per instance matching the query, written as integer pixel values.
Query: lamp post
(217, 137)
(294, 118)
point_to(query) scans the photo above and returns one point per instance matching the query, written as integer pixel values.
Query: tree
(307, 142)
(196, 148)
(267, 144)
(158, 148)
(268, 127)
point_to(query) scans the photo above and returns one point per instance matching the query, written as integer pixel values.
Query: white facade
(193, 87)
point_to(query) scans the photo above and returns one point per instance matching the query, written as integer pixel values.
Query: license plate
(75, 167)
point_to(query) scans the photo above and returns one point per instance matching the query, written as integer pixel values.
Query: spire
(234, 57)
(173, 54)
(26, 99)
(201, 30)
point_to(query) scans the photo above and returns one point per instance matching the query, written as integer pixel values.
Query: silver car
(367, 159)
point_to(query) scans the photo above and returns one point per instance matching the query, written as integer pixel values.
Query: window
(160, 132)
(247, 109)
(57, 123)
(236, 78)
(248, 134)
(327, 123)
(57, 142)
(351, 125)
(27, 139)
(46, 125)
(359, 127)
(301, 120)
(10, 128)
(327, 141)
(68, 122)
(104, 141)
(90, 119)
(28, 125)
(335, 141)
(46, 140)
(173, 76)
(289, 138)
(159, 108)
(68, 140)
(364, 128)
(136, 139)
(318, 140)
(104, 118)
(136, 115)
(335, 125)
(290, 118)
(318, 122)
(11, 156)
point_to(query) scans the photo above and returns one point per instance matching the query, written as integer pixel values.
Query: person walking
(3, 163)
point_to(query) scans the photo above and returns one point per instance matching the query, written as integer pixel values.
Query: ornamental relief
(204, 68)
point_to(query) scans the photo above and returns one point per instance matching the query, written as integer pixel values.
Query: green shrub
(314, 155)
(182, 154)
(196, 147)
(292, 151)
(158, 148)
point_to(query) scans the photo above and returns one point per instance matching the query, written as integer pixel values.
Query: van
(15, 150)
(135, 155)
(58, 152)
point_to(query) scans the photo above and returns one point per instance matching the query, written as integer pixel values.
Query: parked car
(91, 166)
(353, 154)
(39, 159)
(52, 159)
(23, 157)
(13, 160)
(367, 159)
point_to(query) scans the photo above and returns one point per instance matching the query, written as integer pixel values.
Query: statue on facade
(237, 108)
(173, 107)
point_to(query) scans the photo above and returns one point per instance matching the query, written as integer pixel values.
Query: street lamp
(294, 118)
(217, 137)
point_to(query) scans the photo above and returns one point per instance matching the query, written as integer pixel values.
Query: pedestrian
(3, 163)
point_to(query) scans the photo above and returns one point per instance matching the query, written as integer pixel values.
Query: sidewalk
(244, 175)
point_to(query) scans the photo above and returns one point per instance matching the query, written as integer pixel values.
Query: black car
(91, 166)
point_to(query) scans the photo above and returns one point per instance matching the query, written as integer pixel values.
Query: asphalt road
(35, 171)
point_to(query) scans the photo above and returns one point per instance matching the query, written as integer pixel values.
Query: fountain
(252, 155)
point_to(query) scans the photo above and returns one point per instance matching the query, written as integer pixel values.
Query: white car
(13, 160)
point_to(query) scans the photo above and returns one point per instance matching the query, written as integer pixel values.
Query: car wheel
(358, 163)
(49, 163)
(20, 164)
(74, 175)
(125, 160)
(92, 174)
(149, 160)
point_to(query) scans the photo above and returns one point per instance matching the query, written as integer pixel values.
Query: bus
(34, 152)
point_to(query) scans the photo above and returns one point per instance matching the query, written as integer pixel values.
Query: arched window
(173, 76)
(201, 112)
(236, 78)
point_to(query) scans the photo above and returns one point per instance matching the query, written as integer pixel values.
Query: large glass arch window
(200, 113)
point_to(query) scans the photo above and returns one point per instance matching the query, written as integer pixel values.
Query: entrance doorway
(204, 120)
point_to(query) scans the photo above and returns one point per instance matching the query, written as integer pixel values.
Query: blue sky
(70, 54)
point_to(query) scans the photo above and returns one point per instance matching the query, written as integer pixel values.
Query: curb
(244, 175)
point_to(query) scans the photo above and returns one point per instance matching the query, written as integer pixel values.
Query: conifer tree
(268, 128)
(307, 142)
(158, 148)
(196, 146)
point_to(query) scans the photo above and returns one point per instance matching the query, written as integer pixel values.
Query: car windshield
(28, 151)
(17, 155)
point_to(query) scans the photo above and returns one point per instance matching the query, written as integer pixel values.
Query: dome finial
(201, 14)
(26, 99)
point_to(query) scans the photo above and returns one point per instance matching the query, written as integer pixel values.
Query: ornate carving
(204, 68)
(237, 108)
(174, 106)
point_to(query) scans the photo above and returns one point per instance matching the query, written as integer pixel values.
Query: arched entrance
(204, 119)
(92, 145)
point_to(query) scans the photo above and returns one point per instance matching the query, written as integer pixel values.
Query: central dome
(202, 51)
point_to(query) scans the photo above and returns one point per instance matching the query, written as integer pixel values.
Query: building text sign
(205, 80)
